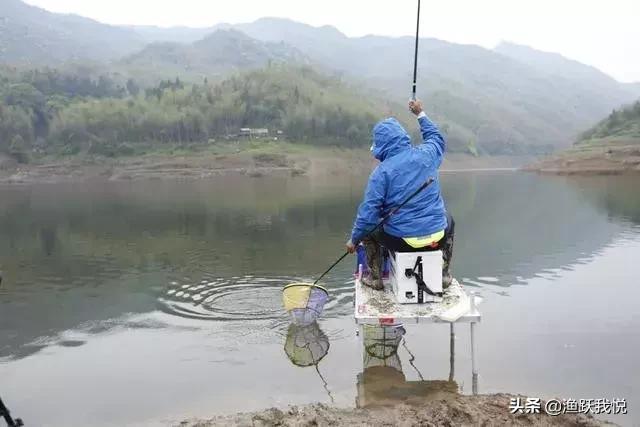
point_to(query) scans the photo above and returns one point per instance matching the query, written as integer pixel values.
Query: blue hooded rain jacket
(403, 169)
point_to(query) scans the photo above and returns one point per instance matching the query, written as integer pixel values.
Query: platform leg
(452, 351)
(360, 335)
(474, 365)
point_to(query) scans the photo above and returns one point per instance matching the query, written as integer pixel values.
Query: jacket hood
(389, 138)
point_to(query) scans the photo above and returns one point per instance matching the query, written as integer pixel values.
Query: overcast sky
(603, 33)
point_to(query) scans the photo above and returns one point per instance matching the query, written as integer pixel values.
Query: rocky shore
(483, 410)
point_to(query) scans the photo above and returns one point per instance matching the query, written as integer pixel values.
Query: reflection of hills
(511, 225)
(73, 254)
(618, 197)
(175, 229)
(83, 254)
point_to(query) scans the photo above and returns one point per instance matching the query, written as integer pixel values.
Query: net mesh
(304, 302)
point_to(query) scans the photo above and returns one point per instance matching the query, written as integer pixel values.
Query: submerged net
(304, 302)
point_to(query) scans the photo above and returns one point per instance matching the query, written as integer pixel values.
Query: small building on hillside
(254, 132)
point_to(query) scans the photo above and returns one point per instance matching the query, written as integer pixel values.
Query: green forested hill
(620, 124)
(512, 99)
(610, 147)
(499, 101)
(69, 115)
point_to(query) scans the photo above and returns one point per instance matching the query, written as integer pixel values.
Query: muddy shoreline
(457, 410)
(604, 159)
(197, 166)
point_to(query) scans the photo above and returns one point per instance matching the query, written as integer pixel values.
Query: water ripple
(244, 298)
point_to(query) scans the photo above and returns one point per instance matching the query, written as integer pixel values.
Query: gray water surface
(146, 303)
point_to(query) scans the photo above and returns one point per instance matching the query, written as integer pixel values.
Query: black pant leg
(446, 245)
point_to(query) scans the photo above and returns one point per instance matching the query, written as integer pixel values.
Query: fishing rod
(415, 56)
(423, 186)
(380, 223)
(4, 413)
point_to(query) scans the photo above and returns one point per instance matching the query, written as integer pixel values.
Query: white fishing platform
(457, 306)
(380, 307)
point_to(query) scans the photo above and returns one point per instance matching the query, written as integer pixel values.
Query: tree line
(622, 122)
(61, 113)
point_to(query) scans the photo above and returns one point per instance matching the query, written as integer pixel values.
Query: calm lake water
(150, 302)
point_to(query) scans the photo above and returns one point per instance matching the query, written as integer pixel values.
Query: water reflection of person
(382, 381)
(306, 345)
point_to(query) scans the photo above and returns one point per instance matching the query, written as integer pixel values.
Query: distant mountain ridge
(503, 101)
(549, 62)
(153, 34)
(218, 53)
(33, 36)
(570, 70)
(512, 99)
(610, 147)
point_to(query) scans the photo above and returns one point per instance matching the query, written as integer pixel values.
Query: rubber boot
(447, 254)
(374, 262)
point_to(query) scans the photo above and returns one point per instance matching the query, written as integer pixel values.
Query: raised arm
(433, 141)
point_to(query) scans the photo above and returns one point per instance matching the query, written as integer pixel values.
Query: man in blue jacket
(423, 223)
